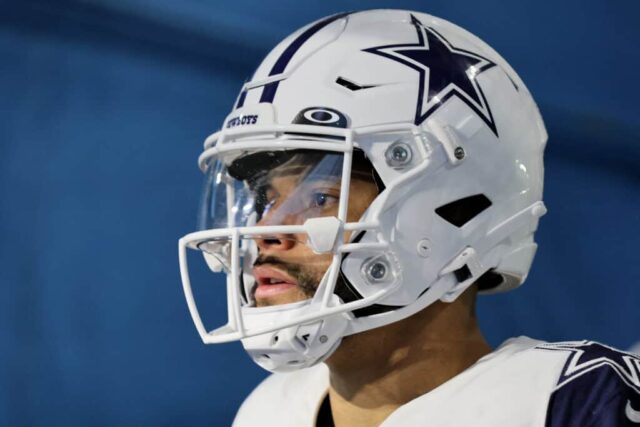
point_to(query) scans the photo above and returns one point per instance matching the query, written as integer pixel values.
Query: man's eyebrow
(289, 170)
(304, 174)
(331, 178)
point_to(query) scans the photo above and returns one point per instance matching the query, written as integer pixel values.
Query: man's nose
(275, 243)
(278, 241)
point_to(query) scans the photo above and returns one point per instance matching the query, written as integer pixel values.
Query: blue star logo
(588, 355)
(448, 72)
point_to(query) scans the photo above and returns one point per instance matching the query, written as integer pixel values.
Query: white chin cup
(295, 347)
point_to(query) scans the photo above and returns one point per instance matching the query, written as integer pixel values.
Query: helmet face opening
(273, 220)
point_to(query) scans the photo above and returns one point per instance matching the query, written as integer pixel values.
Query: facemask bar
(234, 329)
(323, 304)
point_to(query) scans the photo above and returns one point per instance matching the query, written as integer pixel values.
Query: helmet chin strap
(300, 346)
(467, 267)
(297, 346)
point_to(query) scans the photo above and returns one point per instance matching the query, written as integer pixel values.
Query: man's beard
(308, 282)
(307, 279)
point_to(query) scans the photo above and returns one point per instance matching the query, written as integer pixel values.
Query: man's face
(286, 269)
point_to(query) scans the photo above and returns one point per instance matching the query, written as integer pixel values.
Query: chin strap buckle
(450, 141)
(467, 268)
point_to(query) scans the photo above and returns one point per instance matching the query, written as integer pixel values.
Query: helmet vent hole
(351, 85)
(461, 211)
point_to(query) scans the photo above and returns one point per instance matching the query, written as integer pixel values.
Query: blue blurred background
(104, 107)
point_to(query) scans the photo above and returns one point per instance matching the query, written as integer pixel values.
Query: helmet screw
(399, 155)
(424, 248)
(459, 153)
(323, 339)
(377, 271)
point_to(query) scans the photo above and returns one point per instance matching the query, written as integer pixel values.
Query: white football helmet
(456, 143)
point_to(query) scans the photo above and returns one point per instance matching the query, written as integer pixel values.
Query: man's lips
(271, 281)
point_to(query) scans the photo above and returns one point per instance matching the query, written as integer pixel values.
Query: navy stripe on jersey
(269, 91)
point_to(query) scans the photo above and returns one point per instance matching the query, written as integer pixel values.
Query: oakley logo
(321, 116)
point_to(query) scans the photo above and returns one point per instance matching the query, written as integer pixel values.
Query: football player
(378, 171)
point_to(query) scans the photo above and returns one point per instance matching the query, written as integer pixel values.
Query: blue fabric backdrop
(104, 107)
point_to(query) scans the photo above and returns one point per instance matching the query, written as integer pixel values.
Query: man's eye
(264, 197)
(323, 199)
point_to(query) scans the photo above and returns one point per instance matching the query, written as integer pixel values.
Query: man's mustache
(305, 280)
(268, 259)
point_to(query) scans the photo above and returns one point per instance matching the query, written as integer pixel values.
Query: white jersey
(522, 383)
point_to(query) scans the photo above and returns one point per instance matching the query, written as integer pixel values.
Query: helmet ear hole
(461, 211)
